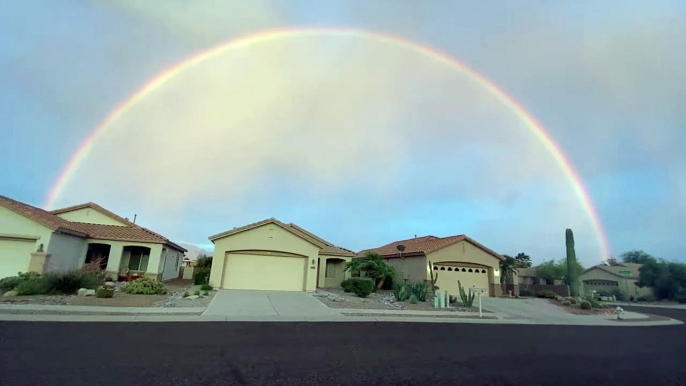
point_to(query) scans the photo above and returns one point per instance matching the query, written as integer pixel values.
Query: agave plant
(467, 299)
(400, 292)
(420, 289)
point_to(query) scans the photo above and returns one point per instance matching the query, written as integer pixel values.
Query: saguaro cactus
(571, 278)
(434, 278)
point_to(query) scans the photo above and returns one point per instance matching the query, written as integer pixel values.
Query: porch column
(39, 260)
(114, 260)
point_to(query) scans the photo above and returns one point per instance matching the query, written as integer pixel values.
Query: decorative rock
(109, 284)
(192, 297)
(86, 292)
(10, 293)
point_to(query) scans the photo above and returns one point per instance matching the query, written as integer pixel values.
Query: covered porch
(332, 271)
(124, 261)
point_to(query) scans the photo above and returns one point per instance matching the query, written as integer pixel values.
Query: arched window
(483, 271)
(464, 270)
(450, 269)
(435, 268)
(470, 270)
(442, 268)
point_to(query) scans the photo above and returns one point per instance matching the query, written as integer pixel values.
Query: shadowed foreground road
(340, 353)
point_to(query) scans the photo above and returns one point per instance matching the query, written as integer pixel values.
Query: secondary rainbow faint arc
(165, 76)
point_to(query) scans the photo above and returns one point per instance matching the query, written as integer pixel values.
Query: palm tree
(523, 259)
(373, 266)
(507, 267)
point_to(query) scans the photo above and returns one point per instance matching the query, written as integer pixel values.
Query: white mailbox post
(478, 291)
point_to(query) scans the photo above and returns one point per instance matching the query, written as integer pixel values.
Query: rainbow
(531, 123)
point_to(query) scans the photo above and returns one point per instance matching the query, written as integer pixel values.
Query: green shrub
(204, 262)
(32, 287)
(205, 293)
(347, 285)
(594, 302)
(571, 300)
(419, 289)
(585, 305)
(145, 286)
(196, 293)
(69, 282)
(526, 292)
(186, 294)
(362, 286)
(566, 303)
(400, 291)
(413, 299)
(104, 292)
(10, 283)
(619, 295)
(388, 283)
(206, 287)
(559, 298)
(201, 275)
(546, 294)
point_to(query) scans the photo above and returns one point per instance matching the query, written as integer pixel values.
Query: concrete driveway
(235, 303)
(533, 309)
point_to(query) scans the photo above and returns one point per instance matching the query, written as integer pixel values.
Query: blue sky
(357, 141)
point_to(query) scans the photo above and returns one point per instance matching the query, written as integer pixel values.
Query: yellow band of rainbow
(531, 123)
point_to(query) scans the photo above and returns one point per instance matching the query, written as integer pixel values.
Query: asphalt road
(340, 353)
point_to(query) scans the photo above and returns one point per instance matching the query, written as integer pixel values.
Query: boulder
(86, 292)
(192, 297)
(109, 284)
(10, 293)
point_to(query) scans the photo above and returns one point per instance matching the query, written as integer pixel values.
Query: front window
(138, 260)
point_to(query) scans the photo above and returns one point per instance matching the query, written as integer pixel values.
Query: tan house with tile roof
(607, 278)
(74, 236)
(452, 258)
(272, 255)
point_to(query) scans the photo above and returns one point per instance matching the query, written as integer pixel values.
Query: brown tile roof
(94, 206)
(616, 269)
(327, 248)
(425, 245)
(38, 215)
(131, 232)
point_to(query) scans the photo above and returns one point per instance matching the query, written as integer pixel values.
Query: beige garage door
(15, 256)
(274, 272)
(468, 277)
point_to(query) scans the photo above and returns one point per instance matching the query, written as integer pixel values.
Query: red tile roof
(425, 245)
(130, 232)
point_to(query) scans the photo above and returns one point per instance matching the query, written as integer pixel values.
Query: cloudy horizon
(359, 141)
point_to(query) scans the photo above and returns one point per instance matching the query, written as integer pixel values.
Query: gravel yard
(173, 298)
(380, 300)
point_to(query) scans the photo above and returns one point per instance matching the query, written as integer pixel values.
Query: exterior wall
(340, 273)
(269, 237)
(412, 268)
(170, 263)
(66, 252)
(12, 223)
(626, 285)
(116, 256)
(90, 216)
(15, 255)
(465, 252)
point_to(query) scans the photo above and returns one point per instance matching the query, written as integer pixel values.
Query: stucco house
(272, 255)
(606, 278)
(33, 239)
(453, 258)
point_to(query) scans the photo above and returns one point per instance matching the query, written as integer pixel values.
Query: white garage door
(448, 277)
(15, 256)
(276, 272)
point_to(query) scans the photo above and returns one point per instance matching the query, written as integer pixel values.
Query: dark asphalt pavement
(340, 354)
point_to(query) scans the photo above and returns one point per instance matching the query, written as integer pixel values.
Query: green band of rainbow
(534, 126)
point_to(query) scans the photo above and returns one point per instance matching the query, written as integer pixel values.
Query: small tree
(373, 266)
(523, 260)
(507, 267)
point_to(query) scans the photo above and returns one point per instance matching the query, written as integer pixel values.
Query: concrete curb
(339, 319)
(100, 309)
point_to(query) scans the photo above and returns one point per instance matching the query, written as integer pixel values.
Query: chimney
(134, 218)
(415, 236)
